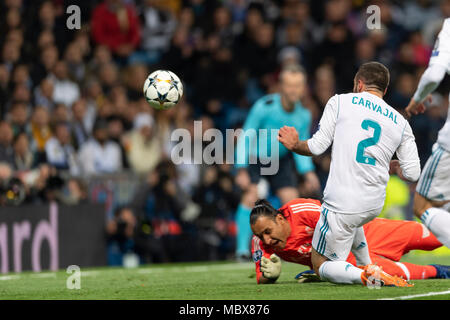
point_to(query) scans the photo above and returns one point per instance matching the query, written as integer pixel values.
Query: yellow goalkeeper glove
(271, 268)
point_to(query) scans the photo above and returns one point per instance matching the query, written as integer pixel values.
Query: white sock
(360, 248)
(438, 221)
(340, 272)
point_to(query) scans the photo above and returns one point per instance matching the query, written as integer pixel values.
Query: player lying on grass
(287, 234)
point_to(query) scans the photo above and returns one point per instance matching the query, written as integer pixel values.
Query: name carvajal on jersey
(375, 107)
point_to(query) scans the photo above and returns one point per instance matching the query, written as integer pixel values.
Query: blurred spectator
(142, 145)
(47, 19)
(43, 94)
(4, 87)
(116, 25)
(120, 235)
(40, 131)
(48, 60)
(60, 114)
(73, 57)
(218, 200)
(23, 157)
(135, 76)
(76, 192)
(116, 132)
(108, 76)
(10, 54)
(20, 75)
(6, 139)
(65, 90)
(99, 155)
(82, 121)
(158, 25)
(403, 91)
(159, 204)
(18, 117)
(59, 150)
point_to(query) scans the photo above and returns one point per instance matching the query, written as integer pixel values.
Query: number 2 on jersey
(363, 144)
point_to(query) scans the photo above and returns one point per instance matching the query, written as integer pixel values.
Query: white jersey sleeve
(429, 81)
(323, 138)
(408, 156)
(439, 65)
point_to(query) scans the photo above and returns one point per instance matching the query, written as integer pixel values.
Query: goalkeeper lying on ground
(287, 234)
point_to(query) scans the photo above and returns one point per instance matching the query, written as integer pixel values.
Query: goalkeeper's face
(292, 85)
(272, 232)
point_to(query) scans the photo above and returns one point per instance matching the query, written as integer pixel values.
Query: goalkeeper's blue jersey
(268, 113)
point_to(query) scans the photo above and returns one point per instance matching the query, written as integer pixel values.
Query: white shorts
(434, 182)
(334, 232)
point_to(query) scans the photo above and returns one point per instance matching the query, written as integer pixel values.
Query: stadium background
(58, 86)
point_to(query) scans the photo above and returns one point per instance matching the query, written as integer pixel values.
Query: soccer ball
(163, 89)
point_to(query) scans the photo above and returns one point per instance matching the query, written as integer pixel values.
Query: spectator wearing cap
(143, 147)
(59, 150)
(99, 155)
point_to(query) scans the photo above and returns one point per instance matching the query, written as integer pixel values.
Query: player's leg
(433, 192)
(405, 270)
(360, 249)
(421, 238)
(242, 218)
(332, 241)
(434, 217)
(335, 271)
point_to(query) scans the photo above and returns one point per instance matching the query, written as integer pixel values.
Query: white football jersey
(365, 132)
(441, 50)
(438, 65)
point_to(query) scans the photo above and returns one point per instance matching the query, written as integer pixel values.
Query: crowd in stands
(71, 102)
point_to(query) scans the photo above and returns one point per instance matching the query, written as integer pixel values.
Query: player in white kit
(432, 197)
(365, 132)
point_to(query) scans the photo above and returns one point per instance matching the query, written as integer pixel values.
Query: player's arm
(429, 81)
(321, 140)
(408, 167)
(288, 136)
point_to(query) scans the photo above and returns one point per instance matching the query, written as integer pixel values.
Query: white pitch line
(418, 295)
(9, 277)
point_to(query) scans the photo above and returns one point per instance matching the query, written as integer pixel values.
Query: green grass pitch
(203, 281)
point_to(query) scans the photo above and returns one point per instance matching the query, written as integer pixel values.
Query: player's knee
(420, 205)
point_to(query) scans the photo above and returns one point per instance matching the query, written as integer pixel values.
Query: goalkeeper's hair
(263, 208)
(374, 74)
